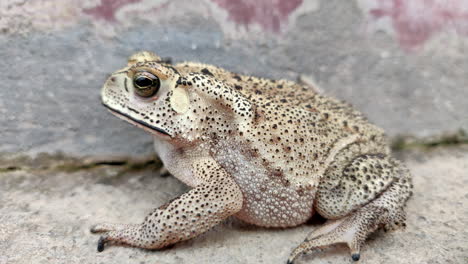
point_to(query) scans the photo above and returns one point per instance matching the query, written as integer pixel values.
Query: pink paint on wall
(415, 21)
(106, 10)
(268, 14)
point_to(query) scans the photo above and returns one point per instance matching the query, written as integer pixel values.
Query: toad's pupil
(143, 81)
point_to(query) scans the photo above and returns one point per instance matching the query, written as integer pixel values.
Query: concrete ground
(45, 216)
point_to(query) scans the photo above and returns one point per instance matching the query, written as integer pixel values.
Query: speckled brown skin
(268, 152)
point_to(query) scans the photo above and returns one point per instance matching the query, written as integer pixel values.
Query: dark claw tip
(290, 262)
(100, 244)
(165, 175)
(355, 256)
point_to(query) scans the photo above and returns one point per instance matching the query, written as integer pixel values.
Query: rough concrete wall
(403, 63)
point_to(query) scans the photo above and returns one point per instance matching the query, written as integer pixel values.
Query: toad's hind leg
(386, 210)
(353, 229)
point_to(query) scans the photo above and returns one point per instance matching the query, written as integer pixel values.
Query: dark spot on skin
(301, 191)
(237, 77)
(311, 108)
(259, 116)
(172, 68)
(125, 84)
(277, 173)
(253, 153)
(206, 71)
(133, 110)
(181, 151)
(214, 138)
(238, 87)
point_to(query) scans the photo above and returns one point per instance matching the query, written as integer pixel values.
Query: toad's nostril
(112, 79)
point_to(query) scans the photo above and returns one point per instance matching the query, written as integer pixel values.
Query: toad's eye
(146, 84)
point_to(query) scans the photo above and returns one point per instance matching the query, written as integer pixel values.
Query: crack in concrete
(59, 162)
(445, 140)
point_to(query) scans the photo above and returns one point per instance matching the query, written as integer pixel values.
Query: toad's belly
(268, 200)
(268, 203)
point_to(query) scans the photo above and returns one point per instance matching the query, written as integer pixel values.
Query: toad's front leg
(184, 217)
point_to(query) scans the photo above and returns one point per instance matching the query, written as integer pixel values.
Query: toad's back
(297, 132)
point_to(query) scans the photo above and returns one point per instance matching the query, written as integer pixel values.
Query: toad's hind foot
(386, 211)
(351, 231)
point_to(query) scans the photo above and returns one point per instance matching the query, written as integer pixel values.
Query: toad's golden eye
(146, 84)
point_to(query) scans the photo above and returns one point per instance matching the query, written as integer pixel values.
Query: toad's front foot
(129, 234)
(113, 232)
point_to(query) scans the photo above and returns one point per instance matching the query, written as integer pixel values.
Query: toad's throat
(148, 127)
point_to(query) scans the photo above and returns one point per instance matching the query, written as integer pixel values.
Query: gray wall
(406, 69)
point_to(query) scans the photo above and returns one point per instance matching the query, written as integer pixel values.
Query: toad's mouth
(141, 124)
